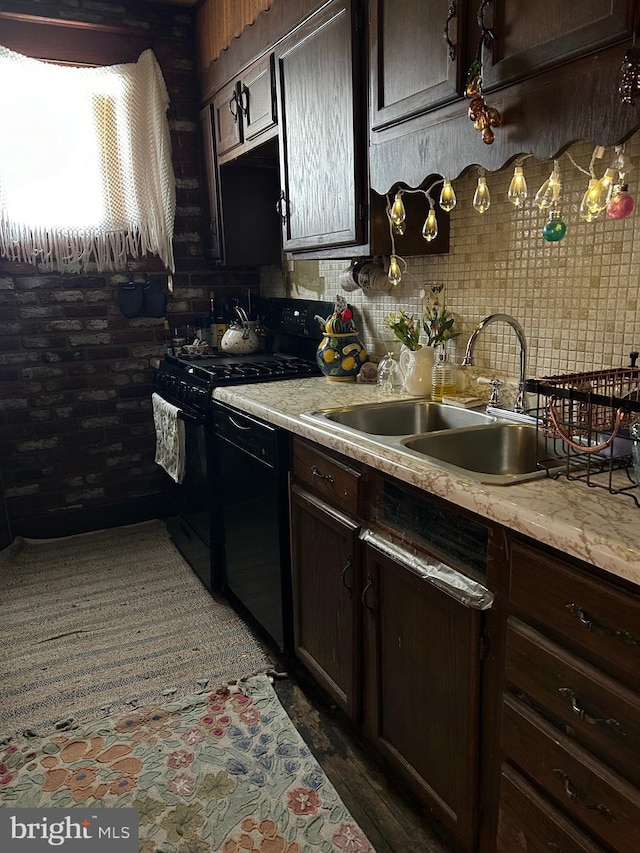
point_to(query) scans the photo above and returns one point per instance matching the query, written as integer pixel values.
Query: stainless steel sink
(465, 442)
(404, 417)
(499, 453)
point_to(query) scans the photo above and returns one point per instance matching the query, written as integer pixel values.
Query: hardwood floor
(389, 816)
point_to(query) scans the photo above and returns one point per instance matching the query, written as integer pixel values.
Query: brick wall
(76, 432)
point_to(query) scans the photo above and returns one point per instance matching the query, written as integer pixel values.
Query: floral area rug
(221, 771)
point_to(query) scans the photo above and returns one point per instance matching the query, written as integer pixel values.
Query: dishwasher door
(251, 498)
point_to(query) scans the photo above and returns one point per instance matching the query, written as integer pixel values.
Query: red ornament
(346, 315)
(621, 204)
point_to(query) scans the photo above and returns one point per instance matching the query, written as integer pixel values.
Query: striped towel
(170, 446)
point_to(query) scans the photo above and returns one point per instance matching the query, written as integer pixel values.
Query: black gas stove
(188, 380)
(197, 517)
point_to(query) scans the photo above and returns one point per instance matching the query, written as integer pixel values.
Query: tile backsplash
(577, 300)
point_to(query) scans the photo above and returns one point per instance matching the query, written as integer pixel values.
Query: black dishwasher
(250, 491)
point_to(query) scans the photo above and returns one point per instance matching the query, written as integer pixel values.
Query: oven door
(189, 520)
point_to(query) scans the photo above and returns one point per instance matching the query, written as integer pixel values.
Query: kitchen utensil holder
(584, 419)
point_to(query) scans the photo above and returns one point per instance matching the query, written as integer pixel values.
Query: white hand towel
(170, 447)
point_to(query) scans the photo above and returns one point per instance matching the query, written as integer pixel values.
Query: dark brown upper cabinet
(245, 112)
(532, 37)
(412, 68)
(550, 69)
(320, 132)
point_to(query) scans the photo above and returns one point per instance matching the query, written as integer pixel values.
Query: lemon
(328, 355)
(348, 363)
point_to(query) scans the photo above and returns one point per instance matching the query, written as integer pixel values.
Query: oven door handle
(190, 419)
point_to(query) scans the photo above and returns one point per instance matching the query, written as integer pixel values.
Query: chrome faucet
(519, 405)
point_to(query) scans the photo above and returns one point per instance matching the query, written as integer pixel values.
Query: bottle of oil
(444, 377)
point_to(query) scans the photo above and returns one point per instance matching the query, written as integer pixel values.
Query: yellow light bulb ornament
(482, 197)
(588, 198)
(394, 274)
(397, 214)
(602, 192)
(430, 227)
(447, 200)
(548, 194)
(517, 192)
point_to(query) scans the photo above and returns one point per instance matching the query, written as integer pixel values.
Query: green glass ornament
(555, 229)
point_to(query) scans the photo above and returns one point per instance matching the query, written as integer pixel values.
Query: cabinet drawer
(603, 715)
(529, 824)
(602, 622)
(585, 789)
(337, 483)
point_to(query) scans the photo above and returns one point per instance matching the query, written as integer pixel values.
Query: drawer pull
(344, 576)
(574, 795)
(623, 636)
(318, 473)
(612, 724)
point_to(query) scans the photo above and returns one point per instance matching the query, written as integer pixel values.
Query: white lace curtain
(86, 176)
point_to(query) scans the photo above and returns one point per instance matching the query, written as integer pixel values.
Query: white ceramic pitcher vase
(417, 367)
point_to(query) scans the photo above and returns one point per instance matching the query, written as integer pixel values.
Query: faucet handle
(496, 385)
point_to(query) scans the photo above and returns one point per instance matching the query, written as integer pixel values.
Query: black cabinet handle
(575, 797)
(318, 473)
(451, 13)
(617, 634)
(281, 206)
(233, 106)
(344, 577)
(571, 697)
(243, 101)
(363, 597)
(486, 33)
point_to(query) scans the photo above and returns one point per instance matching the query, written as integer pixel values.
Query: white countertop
(588, 523)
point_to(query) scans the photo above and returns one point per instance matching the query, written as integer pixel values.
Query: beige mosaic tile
(577, 300)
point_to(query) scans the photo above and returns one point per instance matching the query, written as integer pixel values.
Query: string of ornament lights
(608, 193)
(397, 215)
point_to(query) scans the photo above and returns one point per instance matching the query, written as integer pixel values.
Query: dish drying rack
(583, 424)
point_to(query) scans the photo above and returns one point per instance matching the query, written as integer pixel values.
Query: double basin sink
(466, 442)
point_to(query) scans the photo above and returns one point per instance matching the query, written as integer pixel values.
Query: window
(86, 176)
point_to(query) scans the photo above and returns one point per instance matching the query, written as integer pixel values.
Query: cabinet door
(319, 139)
(214, 247)
(531, 37)
(422, 694)
(412, 67)
(227, 118)
(257, 98)
(325, 595)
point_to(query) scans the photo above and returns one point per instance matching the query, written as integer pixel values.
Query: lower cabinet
(570, 720)
(392, 634)
(421, 678)
(326, 604)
